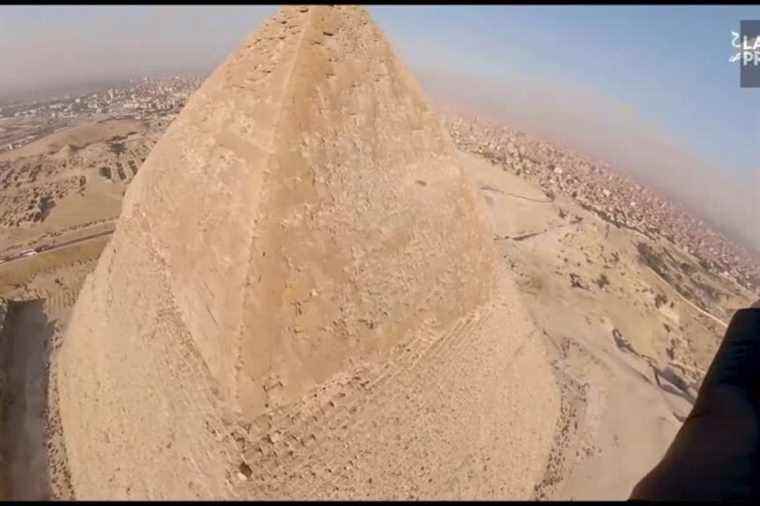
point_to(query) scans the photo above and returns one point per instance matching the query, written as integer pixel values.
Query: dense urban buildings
(592, 183)
(608, 192)
(140, 99)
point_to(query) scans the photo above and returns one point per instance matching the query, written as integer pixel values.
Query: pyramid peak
(276, 236)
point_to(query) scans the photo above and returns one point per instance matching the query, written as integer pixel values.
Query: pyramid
(301, 220)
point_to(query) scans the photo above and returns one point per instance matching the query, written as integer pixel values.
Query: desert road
(62, 245)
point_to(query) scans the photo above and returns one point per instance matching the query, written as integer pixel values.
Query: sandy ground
(80, 173)
(76, 137)
(615, 351)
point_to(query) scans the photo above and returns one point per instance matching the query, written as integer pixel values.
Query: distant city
(141, 99)
(608, 192)
(593, 183)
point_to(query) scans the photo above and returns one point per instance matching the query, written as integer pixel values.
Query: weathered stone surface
(276, 236)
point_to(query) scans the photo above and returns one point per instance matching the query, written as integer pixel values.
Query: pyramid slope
(303, 216)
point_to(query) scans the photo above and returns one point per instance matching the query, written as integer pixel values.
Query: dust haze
(63, 47)
(610, 130)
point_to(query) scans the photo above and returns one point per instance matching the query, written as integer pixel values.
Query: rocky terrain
(286, 309)
(69, 183)
(18, 131)
(59, 197)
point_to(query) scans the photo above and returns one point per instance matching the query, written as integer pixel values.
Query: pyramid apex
(303, 212)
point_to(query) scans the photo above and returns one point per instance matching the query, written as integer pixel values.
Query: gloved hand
(716, 454)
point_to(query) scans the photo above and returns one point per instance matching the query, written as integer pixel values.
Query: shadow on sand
(24, 352)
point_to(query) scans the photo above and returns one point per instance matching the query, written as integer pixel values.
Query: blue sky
(635, 75)
(669, 63)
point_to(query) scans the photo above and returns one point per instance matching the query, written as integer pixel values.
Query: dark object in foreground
(716, 454)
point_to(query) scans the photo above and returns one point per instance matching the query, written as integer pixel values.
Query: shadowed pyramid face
(303, 214)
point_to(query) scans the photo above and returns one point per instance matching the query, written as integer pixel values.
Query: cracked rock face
(303, 214)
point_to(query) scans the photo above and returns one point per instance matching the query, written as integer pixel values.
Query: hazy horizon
(647, 88)
(608, 130)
